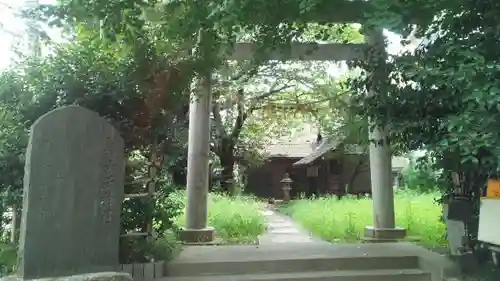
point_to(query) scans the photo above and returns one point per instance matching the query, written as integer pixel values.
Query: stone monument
(73, 191)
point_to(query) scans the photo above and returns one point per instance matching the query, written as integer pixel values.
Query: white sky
(8, 24)
(12, 31)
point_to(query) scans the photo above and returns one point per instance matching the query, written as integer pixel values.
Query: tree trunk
(227, 176)
(15, 224)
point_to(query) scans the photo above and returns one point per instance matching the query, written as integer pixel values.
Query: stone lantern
(287, 186)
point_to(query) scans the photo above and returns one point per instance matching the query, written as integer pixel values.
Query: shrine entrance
(379, 151)
(303, 257)
(198, 151)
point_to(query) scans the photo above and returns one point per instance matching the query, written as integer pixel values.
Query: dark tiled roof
(303, 146)
(328, 144)
(290, 150)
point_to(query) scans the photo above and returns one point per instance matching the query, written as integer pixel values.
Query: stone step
(344, 275)
(266, 265)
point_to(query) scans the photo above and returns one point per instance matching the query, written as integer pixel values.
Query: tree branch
(288, 106)
(271, 92)
(243, 115)
(240, 118)
(244, 75)
(217, 117)
(247, 73)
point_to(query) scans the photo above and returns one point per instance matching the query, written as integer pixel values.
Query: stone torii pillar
(198, 158)
(384, 228)
(196, 230)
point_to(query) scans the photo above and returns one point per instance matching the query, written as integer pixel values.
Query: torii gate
(383, 229)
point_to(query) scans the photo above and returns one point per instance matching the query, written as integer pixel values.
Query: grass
(8, 259)
(236, 220)
(344, 220)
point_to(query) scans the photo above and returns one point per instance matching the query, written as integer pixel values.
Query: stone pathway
(287, 252)
(281, 229)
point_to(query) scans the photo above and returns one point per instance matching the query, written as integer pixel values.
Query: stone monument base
(204, 235)
(99, 276)
(373, 234)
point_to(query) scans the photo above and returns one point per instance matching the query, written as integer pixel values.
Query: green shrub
(164, 212)
(343, 220)
(138, 249)
(8, 258)
(236, 220)
(421, 175)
